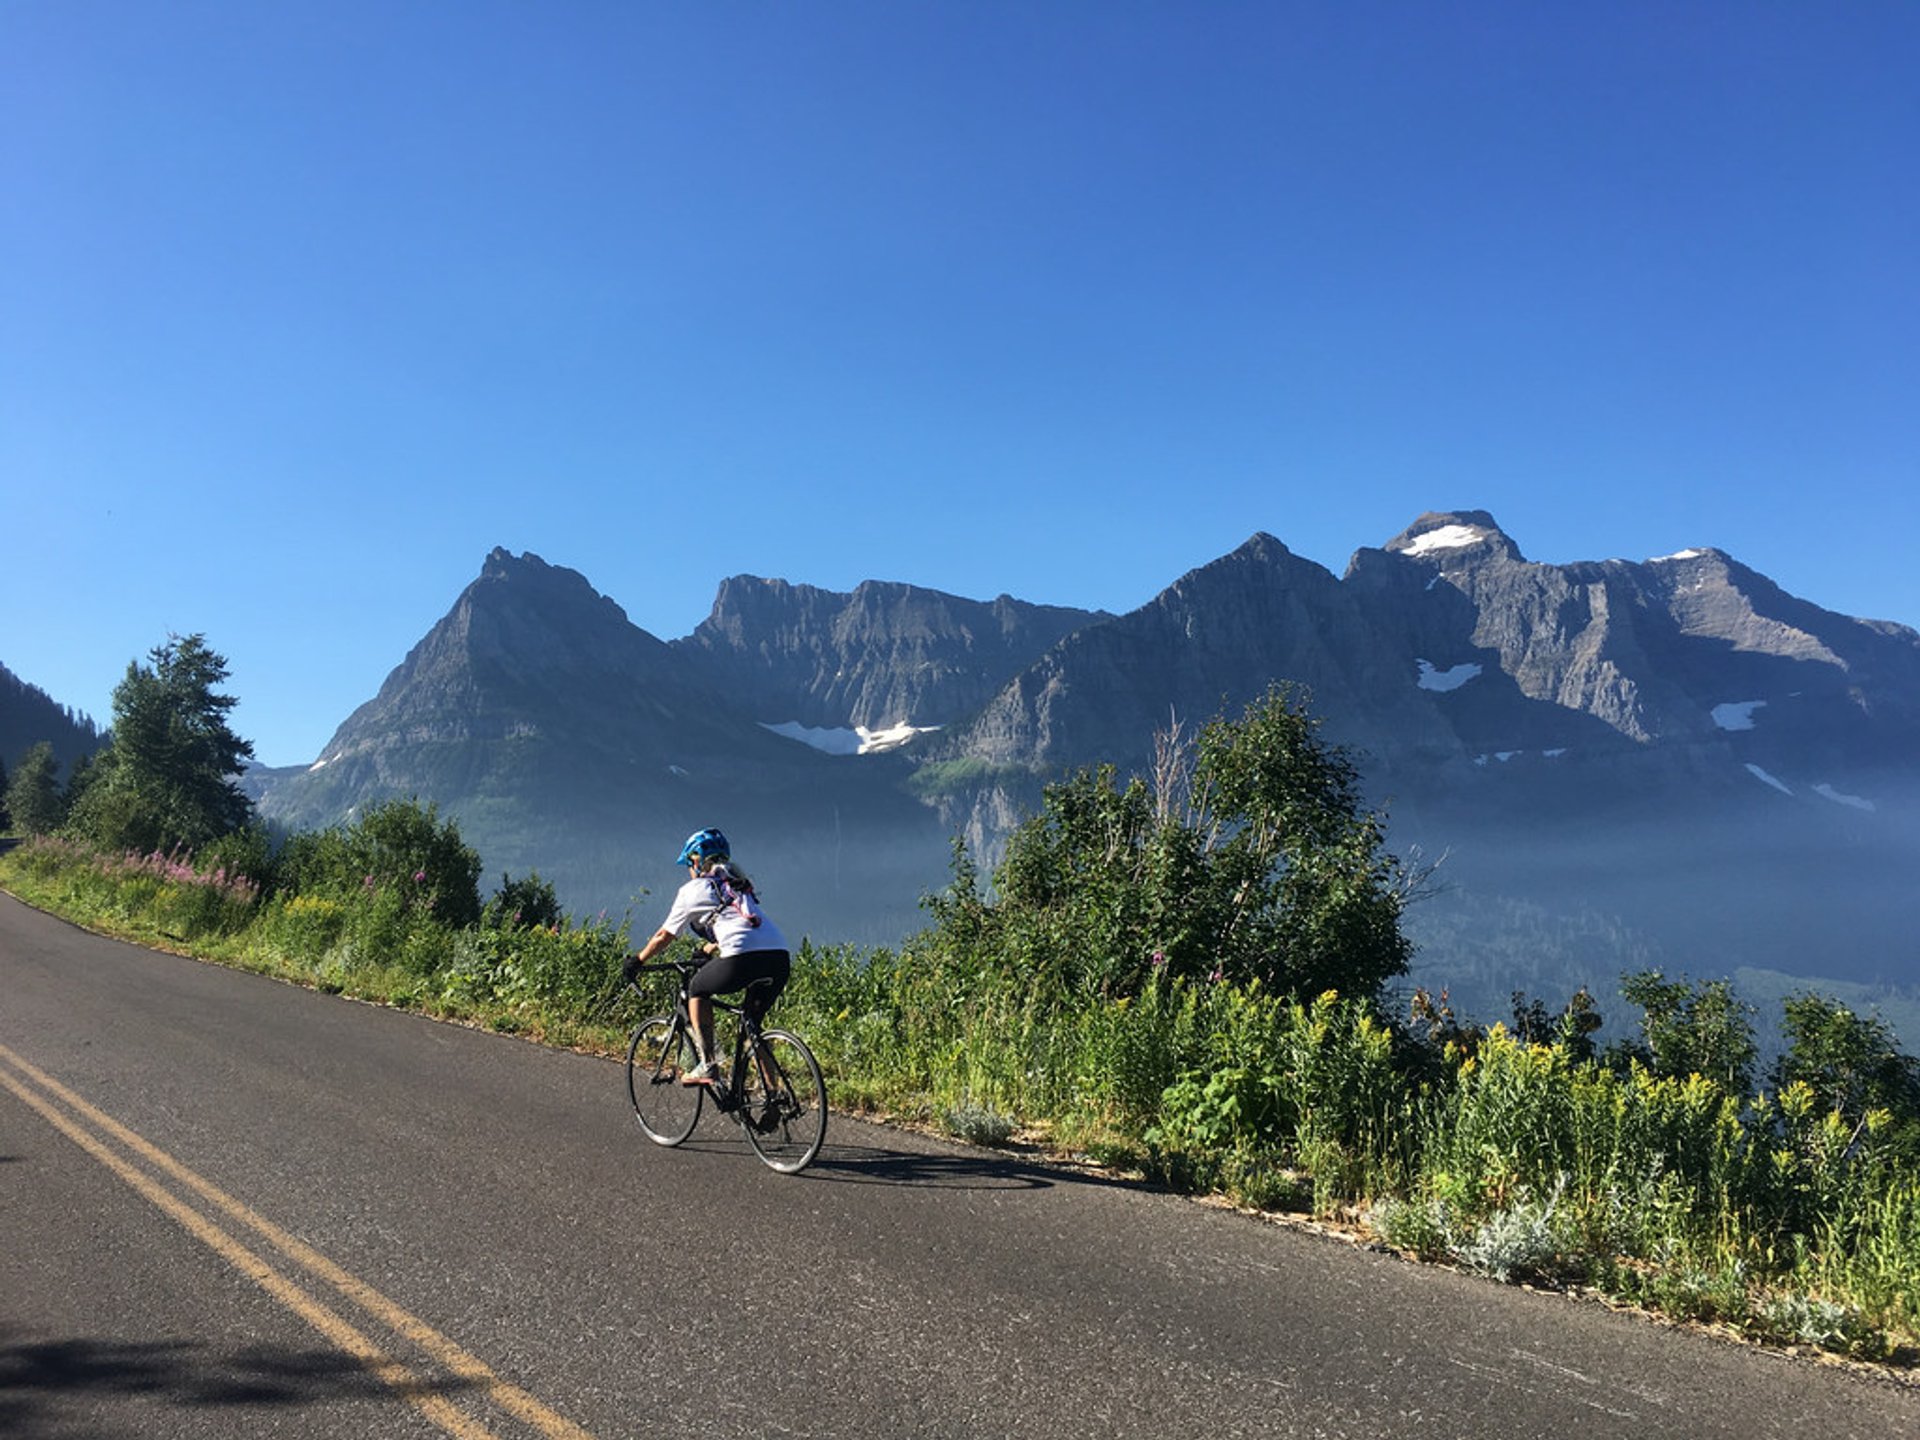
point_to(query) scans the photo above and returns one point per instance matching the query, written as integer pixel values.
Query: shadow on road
(880, 1165)
(37, 1376)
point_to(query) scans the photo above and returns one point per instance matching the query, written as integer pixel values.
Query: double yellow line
(168, 1184)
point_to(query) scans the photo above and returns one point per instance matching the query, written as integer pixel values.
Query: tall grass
(380, 942)
(1527, 1161)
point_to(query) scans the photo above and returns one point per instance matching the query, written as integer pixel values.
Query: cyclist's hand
(709, 950)
(630, 967)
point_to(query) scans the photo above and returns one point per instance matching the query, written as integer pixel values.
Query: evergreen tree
(6, 816)
(33, 796)
(166, 778)
(79, 777)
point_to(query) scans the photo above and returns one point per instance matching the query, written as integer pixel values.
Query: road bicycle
(773, 1088)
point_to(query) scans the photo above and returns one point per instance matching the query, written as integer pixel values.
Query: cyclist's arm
(656, 943)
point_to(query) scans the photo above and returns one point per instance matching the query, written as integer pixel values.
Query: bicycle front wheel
(783, 1106)
(660, 1053)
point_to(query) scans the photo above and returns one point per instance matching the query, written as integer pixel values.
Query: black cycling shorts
(726, 973)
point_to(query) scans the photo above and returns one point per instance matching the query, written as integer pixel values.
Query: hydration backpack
(730, 898)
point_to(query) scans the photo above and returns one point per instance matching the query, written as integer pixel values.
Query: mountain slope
(29, 715)
(1212, 640)
(1447, 646)
(882, 656)
(564, 738)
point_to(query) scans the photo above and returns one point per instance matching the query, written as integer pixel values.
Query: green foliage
(1312, 898)
(165, 780)
(977, 1125)
(1690, 1029)
(1274, 878)
(528, 903)
(1573, 1027)
(563, 968)
(939, 778)
(246, 853)
(399, 852)
(80, 779)
(1852, 1062)
(33, 798)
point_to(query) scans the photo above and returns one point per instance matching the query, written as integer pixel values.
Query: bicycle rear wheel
(785, 1112)
(661, 1051)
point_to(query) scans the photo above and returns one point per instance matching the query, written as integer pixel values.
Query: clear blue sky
(304, 307)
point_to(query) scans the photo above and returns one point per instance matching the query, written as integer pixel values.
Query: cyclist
(719, 906)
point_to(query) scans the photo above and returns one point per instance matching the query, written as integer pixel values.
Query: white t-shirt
(724, 914)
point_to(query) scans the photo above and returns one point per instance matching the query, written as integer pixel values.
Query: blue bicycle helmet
(706, 844)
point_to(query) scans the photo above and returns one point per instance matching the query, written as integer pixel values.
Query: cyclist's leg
(771, 970)
(721, 975)
(761, 973)
(765, 973)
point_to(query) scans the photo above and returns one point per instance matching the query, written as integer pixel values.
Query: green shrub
(977, 1125)
(399, 850)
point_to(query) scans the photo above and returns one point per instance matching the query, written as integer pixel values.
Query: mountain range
(1670, 761)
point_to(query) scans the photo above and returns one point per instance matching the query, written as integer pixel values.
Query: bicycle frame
(726, 1097)
(780, 1104)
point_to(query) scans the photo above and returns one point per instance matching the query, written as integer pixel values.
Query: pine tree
(166, 778)
(32, 797)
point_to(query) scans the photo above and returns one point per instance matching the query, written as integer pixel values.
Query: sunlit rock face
(879, 657)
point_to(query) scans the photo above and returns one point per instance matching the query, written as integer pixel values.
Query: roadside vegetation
(1189, 976)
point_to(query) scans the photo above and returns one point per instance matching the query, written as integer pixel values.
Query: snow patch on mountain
(1736, 714)
(848, 740)
(1436, 679)
(1834, 795)
(1444, 537)
(892, 738)
(1677, 555)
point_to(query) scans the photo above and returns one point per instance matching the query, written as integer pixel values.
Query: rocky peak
(1444, 535)
(885, 654)
(525, 646)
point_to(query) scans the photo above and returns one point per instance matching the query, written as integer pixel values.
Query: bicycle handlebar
(632, 972)
(657, 967)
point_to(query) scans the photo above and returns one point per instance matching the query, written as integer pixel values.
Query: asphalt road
(232, 1207)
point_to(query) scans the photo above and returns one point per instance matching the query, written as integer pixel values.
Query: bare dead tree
(1173, 756)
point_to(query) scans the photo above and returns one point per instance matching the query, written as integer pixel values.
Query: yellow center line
(460, 1362)
(343, 1335)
